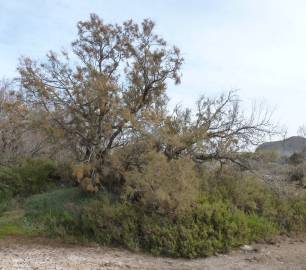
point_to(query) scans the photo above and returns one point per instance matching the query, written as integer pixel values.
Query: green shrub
(208, 229)
(296, 173)
(30, 177)
(296, 159)
(5, 198)
(214, 225)
(111, 223)
(58, 223)
(247, 193)
(63, 173)
(261, 228)
(232, 209)
(291, 214)
(254, 197)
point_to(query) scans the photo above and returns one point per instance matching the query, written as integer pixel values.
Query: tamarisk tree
(109, 94)
(115, 80)
(216, 130)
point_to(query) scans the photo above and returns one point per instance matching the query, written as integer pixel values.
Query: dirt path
(41, 255)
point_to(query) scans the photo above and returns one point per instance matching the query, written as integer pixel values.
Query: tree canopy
(105, 99)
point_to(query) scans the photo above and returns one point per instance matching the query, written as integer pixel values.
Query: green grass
(13, 223)
(22, 222)
(54, 200)
(57, 213)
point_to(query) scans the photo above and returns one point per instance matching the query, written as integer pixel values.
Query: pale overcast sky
(256, 46)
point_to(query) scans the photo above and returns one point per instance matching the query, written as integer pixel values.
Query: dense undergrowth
(231, 209)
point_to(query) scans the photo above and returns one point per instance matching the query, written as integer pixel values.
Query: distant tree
(11, 129)
(302, 131)
(18, 137)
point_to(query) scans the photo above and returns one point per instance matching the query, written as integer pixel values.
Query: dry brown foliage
(167, 186)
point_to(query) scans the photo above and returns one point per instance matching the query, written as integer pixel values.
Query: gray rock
(285, 148)
(247, 248)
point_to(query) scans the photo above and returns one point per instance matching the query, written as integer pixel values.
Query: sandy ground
(39, 254)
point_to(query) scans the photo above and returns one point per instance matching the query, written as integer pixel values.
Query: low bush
(30, 177)
(163, 186)
(291, 214)
(296, 159)
(210, 227)
(230, 209)
(296, 173)
(247, 193)
(111, 223)
(5, 197)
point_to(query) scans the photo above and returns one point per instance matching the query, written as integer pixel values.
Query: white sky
(255, 46)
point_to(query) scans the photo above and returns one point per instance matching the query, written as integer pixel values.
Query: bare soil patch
(42, 254)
